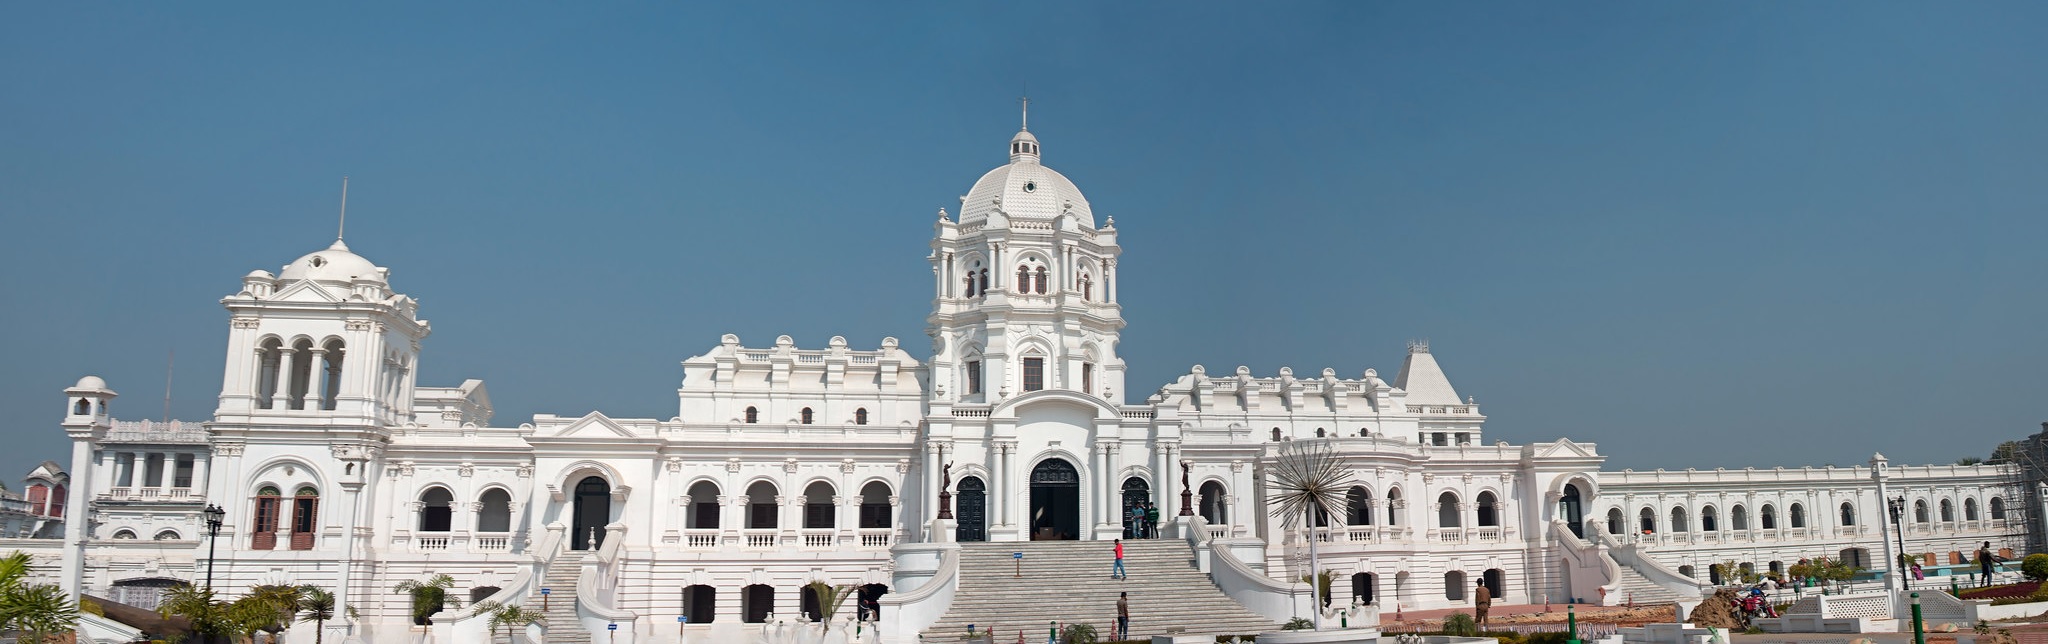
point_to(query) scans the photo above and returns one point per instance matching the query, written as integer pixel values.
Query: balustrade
(1447, 535)
(700, 539)
(430, 543)
(759, 539)
(877, 537)
(819, 539)
(1487, 534)
(492, 543)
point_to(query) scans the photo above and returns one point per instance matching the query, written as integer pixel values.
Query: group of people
(1141, 521)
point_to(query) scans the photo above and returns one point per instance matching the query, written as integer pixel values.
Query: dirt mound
(1719, 609)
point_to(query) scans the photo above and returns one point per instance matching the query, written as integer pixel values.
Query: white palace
(782, 465)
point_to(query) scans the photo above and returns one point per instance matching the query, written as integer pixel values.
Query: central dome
(1025, 189)
(336, 264)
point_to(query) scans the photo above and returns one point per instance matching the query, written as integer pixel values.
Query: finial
(1026, 100)
(343, 227)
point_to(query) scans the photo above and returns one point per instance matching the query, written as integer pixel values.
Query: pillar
(76, 521)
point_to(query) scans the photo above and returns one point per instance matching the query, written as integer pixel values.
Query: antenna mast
(338, 230)
(169, 370)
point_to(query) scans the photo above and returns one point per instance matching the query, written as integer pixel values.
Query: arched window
(983, 287)
(305, 517)
(1213, 506)
(1489, 515)
(437, 510)
(761, 506)
(1678, 521)
(1087, 289)
(84, 407)
(1040, 287)
(496, 513)
(969, 290)
(1615, 523)
(167, 535)
(818, 506)
(700, 604)
(1276, 434)
(301, 377)
(1447, 510)
(1948, 511)
(756, 602)
(1848, 514)
(269, 360)
(1798, 515)
(1357, 507)
(1920, 511)
(1319, 433)
(875, 511)
(1969, 509)
(1393, 504)
(39, 499)
(703, 506)
(753, 415)
(860, 416)
(1023, 279)
(1997, 508)
(1738, 518)
(1768, 517)
(1454, 586)
(1646, 521)
(121, 535)
(805, 416)
(1707, 523)
(331, 376)
(263, 532)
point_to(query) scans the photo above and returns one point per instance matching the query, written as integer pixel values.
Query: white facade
(785, 465)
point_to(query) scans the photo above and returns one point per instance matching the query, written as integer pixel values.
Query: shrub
(2035, 566)
(1078, 634)
(90, 607)
(1298, 624)
(1548, 637)
(1460, 624)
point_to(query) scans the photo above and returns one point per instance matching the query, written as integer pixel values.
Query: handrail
(1631, 555)
(1582, 548)
(937, 590)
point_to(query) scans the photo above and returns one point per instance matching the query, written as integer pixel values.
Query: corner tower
(1025, 293)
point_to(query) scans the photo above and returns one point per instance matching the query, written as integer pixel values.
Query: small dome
(336, 264)
(1026, 189)
(90, 382)
(263, 274)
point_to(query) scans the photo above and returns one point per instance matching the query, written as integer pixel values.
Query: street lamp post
(1898, 508)
(213, 519)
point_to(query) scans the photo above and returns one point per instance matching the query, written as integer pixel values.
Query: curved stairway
(1069, 582)
(563, 627)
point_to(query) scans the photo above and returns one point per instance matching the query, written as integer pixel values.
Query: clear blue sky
(1699, 234)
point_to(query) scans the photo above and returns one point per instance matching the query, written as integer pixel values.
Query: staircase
(562, 626)
(1639, 589)
(1069, 582)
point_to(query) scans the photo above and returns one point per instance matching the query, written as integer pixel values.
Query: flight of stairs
(562, 626)
(1069, 582)
(1639, 589)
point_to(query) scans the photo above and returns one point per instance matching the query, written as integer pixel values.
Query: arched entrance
(1137, 497)
(1572, 510)
(593, 511)
(1055, 501)
(973, 512)
(1362, 586)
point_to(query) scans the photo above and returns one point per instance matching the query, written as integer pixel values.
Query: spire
(343, 227)
(1027, 113)
(1423, 379)
(1024, 146)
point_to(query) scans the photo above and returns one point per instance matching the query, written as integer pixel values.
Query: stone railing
(820, 538)
(492, 543)
(760, 539)
(701, 539)
(149, 431)
(877, 538)
(429, 544)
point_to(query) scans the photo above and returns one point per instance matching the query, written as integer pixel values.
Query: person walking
(1482, 599)
(1117, 571)
(1151, 522)
(1123, 616)
(1984, 561)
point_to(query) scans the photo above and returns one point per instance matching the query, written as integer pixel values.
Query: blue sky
(1698, 234)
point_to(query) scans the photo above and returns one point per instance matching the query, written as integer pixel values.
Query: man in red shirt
(1117, 572)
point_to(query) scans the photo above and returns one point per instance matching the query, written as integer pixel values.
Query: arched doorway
(1362, 586)
(1572, 510)
(1055, 501)
(593, 511)
(973, 511)
(1137, 497)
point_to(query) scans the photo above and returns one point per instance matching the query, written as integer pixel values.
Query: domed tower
(1025, 288)
(326, 337)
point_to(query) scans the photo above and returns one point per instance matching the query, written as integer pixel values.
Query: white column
(199, 462)
(1000, 489)
(929, 492)
(73, 574)
(315, 370)
(170, 472)
(255, 375)
(282, 399)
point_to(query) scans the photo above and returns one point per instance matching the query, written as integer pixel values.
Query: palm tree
(428, 597)
(830, 598)
(283, 602)
(206, 615)
(316, 606)
(514, 619)
(14, 568)
(250, 615)
(1307, 479)
(40, 610)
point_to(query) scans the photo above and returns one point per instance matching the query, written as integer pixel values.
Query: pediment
(594, 425)
(1563, 448)
(304, 291)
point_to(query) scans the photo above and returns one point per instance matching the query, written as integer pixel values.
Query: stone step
(1069, 582)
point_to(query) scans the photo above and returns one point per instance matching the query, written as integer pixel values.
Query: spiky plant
(830, 598)
(1307, 480)
(428, 597)
(317, 606)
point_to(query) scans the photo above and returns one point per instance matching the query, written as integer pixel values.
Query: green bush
(1460, 624)
(1298, 624)
(2035, 566)
(1548, 637)
(1078, 634)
